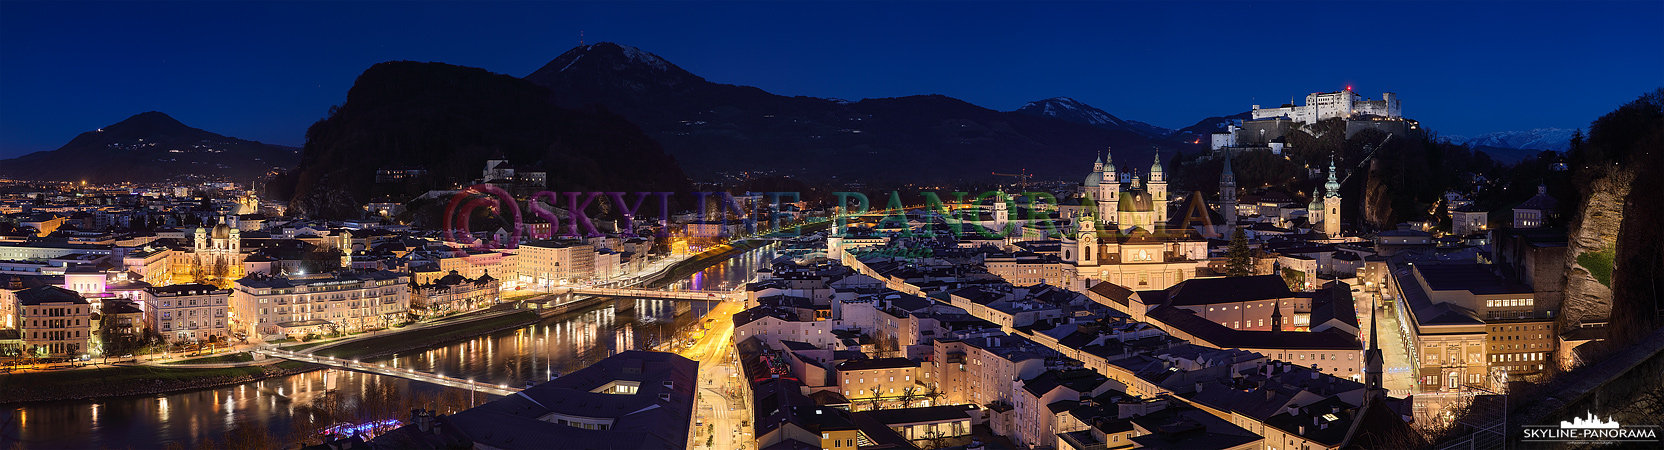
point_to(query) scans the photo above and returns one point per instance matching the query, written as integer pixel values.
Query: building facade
(189, 312)
(345, 301)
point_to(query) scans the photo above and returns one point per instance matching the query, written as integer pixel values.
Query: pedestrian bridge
(383, 369)
(734, 295)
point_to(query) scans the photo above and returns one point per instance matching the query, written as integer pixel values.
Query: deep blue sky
(265, 71)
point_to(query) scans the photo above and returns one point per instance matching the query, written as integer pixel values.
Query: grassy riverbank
(428, 336)
(116, 381)
(219, 359)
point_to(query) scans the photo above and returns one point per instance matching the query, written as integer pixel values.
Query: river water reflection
(558, 344)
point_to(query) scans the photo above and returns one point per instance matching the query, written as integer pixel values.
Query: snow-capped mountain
(1555, 139)
(1072, 110)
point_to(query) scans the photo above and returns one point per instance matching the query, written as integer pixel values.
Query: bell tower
(1109, 189)
(1227, 192)
(1331, 204)
(1087, 244)
(1158, 189)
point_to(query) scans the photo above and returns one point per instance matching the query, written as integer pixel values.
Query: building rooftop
(41, 295)
(657, 415)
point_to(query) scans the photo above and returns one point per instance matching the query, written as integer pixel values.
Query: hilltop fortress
(1269, 125)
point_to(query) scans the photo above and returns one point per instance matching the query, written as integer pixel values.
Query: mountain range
(714, 129)
(1556, 139)
(1071, 110)
(150, 147)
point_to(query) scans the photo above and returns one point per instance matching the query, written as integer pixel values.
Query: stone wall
(1607, 389)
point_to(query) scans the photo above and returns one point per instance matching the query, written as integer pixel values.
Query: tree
(908, 395)
(321, 259)
(1296, 279)
(877, 394)
(934, 438)
(932, 395)
(1239, 260)
(1442, 215)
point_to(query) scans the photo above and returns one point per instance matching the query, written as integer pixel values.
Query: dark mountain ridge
(714, 128)
(149, 147)
(1071, 110)
(449, 120)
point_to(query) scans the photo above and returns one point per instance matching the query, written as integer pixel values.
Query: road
(1399, 378)
(719, 406)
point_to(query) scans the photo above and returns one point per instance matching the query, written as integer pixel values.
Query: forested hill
(449, 120)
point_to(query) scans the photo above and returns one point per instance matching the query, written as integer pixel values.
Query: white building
(1339, 104)
(548, 263)
(188, 312)
(346, 301)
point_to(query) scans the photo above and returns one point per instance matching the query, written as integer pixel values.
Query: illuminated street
(718, 406)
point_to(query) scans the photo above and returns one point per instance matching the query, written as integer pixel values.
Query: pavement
(1400, 378)
(719, 405)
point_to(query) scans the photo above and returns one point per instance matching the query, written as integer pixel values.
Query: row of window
(166, 315)
(1512, 357)
(58, 323)
(1509, 303)
(57, 335)
(169, 326)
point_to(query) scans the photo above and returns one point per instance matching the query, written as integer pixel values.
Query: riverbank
(706, 259)
(425, 337)
(121, 381)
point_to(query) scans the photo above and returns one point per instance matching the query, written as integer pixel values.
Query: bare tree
(908, 395)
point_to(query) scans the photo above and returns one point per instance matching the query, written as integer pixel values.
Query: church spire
(1372, 357)
(1276, 316)
(1109, 162)
(1331, 188)
(1227, 175)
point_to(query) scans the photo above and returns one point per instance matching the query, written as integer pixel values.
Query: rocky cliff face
(1615, 259)
(1587, 300)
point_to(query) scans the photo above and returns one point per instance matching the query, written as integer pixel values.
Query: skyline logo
(1591, 422)
(1591, 430)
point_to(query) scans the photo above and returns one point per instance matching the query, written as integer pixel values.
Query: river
(513, 357)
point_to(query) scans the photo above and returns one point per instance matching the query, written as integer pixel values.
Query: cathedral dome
(221, 231)
(1136, 201)
(1093, 178)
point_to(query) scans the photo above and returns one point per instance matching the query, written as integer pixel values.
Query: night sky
(266, 71)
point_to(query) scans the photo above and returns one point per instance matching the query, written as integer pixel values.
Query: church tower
(1314, 210)
(1109, 188)
(1372, 357)
(201, 240)
(1331, 204)
(1158, 189)
(1227, 192)
(1086, 245)
(1002, 216)
(1276, 316)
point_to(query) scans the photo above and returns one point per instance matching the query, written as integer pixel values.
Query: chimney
(1198, 386)
(1314, 371)
(420, 417)
(1302, 430)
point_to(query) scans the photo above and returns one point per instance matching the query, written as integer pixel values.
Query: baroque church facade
(1123, 235)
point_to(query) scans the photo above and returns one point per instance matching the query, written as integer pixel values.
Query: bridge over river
(383, 369)
(669, 294)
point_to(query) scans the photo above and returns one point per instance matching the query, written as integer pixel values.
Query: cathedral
(216, 256)
(1123, 235)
